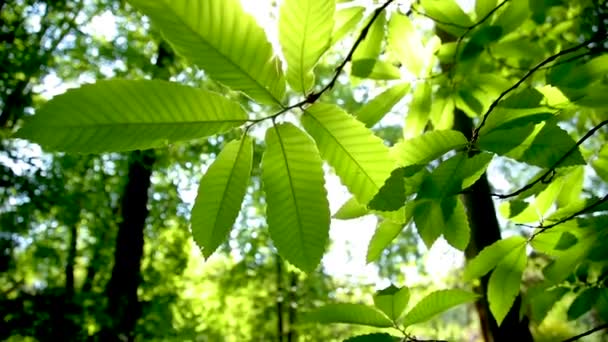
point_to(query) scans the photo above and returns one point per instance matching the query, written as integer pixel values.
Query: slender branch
(588, 332)
(568, 218)
(313, 97)
(548, 175)
(548, 60)
(415, 10)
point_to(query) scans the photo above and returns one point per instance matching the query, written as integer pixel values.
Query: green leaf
(403, 182)
(483, 7)
(375, 69)
(427, 147)
(583, 303)
(377, 108)
(542, 303)
(600, 164)
(122, 115)
(360, 159)
(371, 46)
(297, 207)
(305, 28)
(233, 50)
(376, 337)
(429, 219)
(447, 11)
(220, 195)
(392, 301)
(483, 37)
(345, 21)
(512, 16)
(504, 283)
(351, 209)
(566, 241)
(457, 231)
(350, 313)
(436, 303)
(442, 110)
(419, 111)
(406, 43)
(490, 256)
(454, 175)
(385, 233)
(542, 149)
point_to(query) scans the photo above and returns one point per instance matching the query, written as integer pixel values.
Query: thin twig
(548, 60)
(588, 332)
(548, 175)
(313, 97)
(573, 216)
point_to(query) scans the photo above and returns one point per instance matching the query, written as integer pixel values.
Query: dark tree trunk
(292, 334)
(124, 308)
(280, 298)
(71, 261)
(485, 230)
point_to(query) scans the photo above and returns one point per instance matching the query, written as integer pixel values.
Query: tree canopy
(517, 86)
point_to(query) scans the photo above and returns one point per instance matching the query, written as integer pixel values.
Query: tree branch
(522, 80)
(546, 177)
(313, 97)
(588, 332)
(568, 218)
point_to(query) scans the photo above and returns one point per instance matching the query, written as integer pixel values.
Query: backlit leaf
(222, 39)
(297, 207)
(457, 231)
(305, 28)
(220, 194)
(406, 43)
(419, 111)
(123, 115)
(351, 314)
(436, 303)
(490, 256)
(427, 147)
(360, 159)
(392, 301)
(378, 107)
(385, 233)
(505, 281)
(351, 209)
(345, 20)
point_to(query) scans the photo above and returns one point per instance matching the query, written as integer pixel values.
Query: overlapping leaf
(406, 43)
(345, 20)
(392, 301)
(367, 53)
(351, 209)
(490, 256)
(220, 195)
(360, 159)
(305, 28)
(122, 115)
(436, 303)
(385, 233)
(504, 283)
(427, 147)
(419, 111)
(379, 106)
(222, 39)
(297, 207)
(350, 313)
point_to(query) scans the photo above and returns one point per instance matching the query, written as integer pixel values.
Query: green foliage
(298, 212)
(527, 102)
(221, 192)
(350, 313)
(122, 115)
(304, 33)
(436, 303)
(234, 50)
